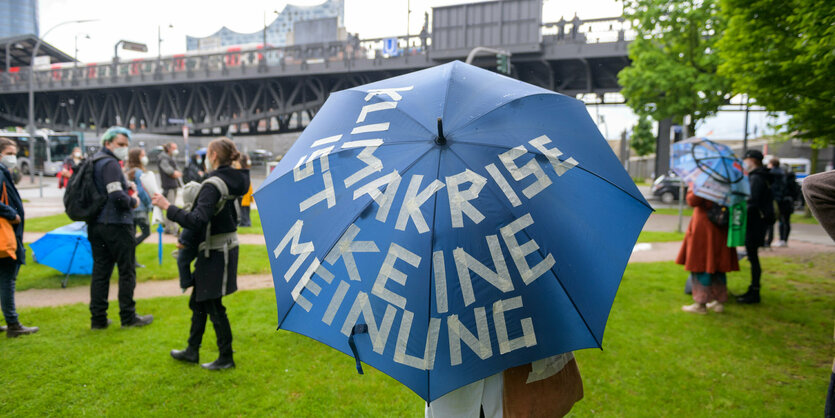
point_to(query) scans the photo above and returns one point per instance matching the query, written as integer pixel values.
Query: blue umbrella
(447, 224)
(65, 249)
(711, 170)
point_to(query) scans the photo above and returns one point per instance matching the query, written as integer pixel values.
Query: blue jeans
(8, 276)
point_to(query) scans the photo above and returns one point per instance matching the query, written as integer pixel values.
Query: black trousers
(144, 227)
(786, 208)
(112, 244)
(754, 258)
(214, 309)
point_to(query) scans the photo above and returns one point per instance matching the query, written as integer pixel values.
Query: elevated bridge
(279, 89)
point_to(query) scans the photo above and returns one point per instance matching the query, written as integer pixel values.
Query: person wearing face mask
(213, 220)
(194, 169)
(70, 166)
(137, 160)
(170, 179)
(760, 217)
(111, 235)
(9, 267)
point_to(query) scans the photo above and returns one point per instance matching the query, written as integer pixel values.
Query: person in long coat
(705, 254)
(215, 271)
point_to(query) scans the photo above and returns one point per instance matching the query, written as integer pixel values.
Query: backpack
(82, 199)
(719, 215)
(778, 186)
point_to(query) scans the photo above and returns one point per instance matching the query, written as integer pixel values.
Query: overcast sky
(138, 21)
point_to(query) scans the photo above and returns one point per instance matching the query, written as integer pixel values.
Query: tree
(642, 141)
(674, 60)
(782, 53)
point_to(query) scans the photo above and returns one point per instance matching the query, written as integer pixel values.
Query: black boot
(222, 362)
(189, 355)
(14, 330)
(751, 296)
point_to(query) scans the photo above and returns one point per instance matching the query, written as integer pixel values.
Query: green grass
(803, 219)
(252, 260)
(48, 223)
(656, 236)
(773, 359)
(688, 211)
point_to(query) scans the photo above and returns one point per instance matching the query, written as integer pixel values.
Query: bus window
(60, 146)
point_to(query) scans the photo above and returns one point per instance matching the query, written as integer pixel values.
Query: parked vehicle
(666, 188)
(51, 148)
(260, 156)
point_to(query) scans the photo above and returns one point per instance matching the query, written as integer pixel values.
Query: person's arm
(165, 166)
(6, 211)
(202, 212)
(112, 177)
(694, 200)
(819, 191)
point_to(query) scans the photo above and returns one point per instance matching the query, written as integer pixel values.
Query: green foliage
(782, 53)
(674, 60)
(642, 140)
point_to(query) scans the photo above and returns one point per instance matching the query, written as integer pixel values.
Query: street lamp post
(75, 55)
(32, 95)
(159, 40)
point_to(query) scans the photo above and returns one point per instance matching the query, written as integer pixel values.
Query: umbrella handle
(159, 246)
(357, 329)
(69, 268)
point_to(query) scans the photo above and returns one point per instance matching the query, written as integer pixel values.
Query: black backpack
(82, 200)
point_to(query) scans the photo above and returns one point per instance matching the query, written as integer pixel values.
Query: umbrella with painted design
(447, 224)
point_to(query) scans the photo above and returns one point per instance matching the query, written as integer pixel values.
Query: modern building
(18, 17)
(278, 32)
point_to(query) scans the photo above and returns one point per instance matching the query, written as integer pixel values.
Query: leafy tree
(642, 141)
(674, 60)
(782, 53)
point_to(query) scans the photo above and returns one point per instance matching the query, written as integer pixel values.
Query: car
(260, 156)
(154, 153)
(666, 188)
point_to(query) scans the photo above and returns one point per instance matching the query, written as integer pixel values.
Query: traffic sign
(390, 46)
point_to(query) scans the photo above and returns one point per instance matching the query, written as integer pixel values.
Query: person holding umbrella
(706, 256)
(11, 210)
(760, 217)
(214, 220)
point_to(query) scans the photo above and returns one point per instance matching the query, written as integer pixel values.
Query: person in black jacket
(760, 217)
(111, 235)
(194, 170)
(169, 175)
(214, 220)
(13, 212)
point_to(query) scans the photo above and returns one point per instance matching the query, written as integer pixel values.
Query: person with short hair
(9, 267)
(170, 179)
(213, 218)
(71, 164)
(112, 234)
(760, 216)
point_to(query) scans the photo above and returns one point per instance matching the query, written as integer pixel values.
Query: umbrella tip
(441, 139)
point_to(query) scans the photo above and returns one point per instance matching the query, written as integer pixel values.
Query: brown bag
(8, 241)
(550, 397)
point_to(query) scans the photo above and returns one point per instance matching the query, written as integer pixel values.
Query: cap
(752, 153)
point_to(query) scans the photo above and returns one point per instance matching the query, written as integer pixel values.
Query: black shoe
(189, 355)
(139, 321)
(95, 326)
(16, 330)
(219, 364)
(750, 297)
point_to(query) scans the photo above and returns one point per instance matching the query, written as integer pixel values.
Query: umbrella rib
(539, 251)
(370, 201)
(400, 110)
(577, 166)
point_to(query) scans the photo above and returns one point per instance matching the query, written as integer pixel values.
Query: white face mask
(76, 154)
(121, 153)
(175, 153)
(209, 165)
(10, 161)
(144, 160)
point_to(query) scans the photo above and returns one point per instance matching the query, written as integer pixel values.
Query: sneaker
(781, 244)
(749, 298)
(139, 321)
(140, 266)
(175, 254)
(219, 364)
(696, 308)
(715, 306)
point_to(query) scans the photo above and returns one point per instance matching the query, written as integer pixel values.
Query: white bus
(51, 149)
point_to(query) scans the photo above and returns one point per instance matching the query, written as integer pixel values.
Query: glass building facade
(18, 17)
(277, 31)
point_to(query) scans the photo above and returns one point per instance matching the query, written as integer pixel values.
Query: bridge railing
(296, 56)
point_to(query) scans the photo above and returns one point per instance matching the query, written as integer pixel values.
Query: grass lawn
(656, 236)
(252, 260)
(48, 223)
(688, 211)
(768, 360)
(801, 218)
